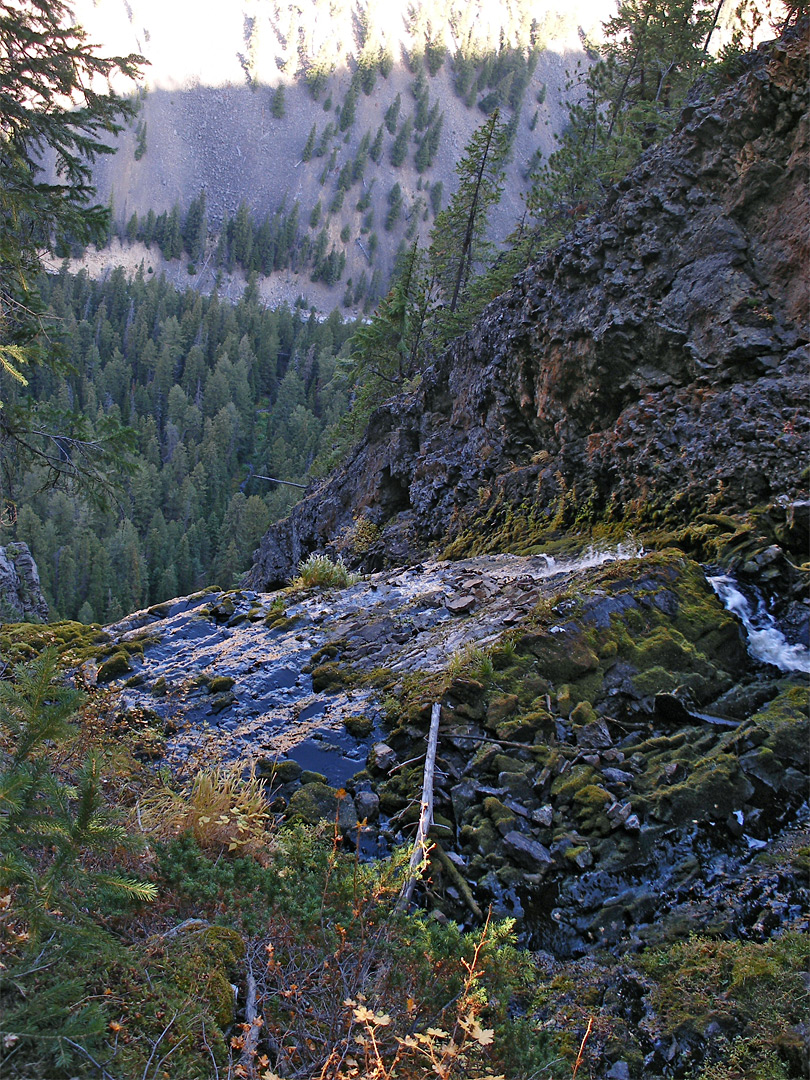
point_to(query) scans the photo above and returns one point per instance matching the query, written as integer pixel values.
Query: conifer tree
(630, 98)
(306, 153)
(49, 102)
(458, 237)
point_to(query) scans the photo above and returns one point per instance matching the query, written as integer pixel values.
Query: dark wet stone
(596, 735)
(459, 605)
(527, 852)
(381, 758)
(367, 804)
(463, 796)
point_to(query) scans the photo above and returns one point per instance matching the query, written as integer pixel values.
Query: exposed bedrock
(655, 361)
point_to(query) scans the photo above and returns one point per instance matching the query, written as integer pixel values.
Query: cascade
(766, 642)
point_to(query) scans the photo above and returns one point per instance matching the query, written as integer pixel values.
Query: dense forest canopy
(212, 393)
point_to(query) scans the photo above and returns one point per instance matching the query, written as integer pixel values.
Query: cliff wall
(654, 363)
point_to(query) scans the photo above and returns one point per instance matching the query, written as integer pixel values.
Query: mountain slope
(210, 119)
(653, 365)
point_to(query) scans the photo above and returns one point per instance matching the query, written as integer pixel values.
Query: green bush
(319, 572)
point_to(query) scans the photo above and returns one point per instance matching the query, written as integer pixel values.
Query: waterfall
(765, 641)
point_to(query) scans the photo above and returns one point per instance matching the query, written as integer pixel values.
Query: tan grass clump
(223, 811)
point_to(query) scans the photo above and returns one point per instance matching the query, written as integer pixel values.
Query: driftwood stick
(275, 480)
(486, 739)
(248, 1056)
(420, 844)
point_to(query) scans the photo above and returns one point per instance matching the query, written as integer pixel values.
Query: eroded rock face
(657, 359)
(21, 596)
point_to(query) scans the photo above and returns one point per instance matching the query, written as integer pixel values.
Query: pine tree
(375, 153)
(49, 101)
(306, 153)
(278, 106)
(458, 241)
(196, 228)
(388, 347)
(399, 148)
(392, 114)
(630, 98)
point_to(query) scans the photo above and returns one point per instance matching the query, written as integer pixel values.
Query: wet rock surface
(615, 770)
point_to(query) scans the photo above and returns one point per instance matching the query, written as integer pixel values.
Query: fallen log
(420, 845)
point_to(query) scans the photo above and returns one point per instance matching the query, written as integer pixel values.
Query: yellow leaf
(483, 1036)
(382, 1019)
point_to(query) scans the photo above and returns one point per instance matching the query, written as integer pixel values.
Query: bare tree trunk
(420, 845)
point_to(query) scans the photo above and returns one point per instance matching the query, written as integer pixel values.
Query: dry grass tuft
(223, 811)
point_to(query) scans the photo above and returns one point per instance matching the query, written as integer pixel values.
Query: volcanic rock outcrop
(654, 363)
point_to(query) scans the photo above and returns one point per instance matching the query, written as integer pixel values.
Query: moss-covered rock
(113, 668)
(207, 962)
(220, 683)
(358, 726)
(308, 776)
(317, 802)
(283, 771)
(329, 678)
(591, 801)
(500, 815)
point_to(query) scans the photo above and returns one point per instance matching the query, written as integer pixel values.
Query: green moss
(713, 788)
(220, 684)
(656, 680)
(285, 771)
(565, 786)
(590, 802)
(206, 962)
(501, 816)
(755, 993)
(310, 777)
(117, 665)
(281, 622)
(358, 726)
(317, 801)
(329, 678)
(75, 641)
(583, 714)
(480, 837)
(784, 721)
(521, 730)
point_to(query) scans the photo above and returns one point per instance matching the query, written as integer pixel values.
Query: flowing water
(766, 642)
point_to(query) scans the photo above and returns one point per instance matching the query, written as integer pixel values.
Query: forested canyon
(404, 661)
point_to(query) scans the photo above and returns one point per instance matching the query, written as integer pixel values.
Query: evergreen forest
(211, 393)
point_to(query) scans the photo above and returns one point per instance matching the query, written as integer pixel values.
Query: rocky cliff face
(21, 596)
(654, 364)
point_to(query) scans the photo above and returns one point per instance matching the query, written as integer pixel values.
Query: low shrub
(319, 572)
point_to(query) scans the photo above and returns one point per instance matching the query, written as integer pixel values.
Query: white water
(765, 641)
